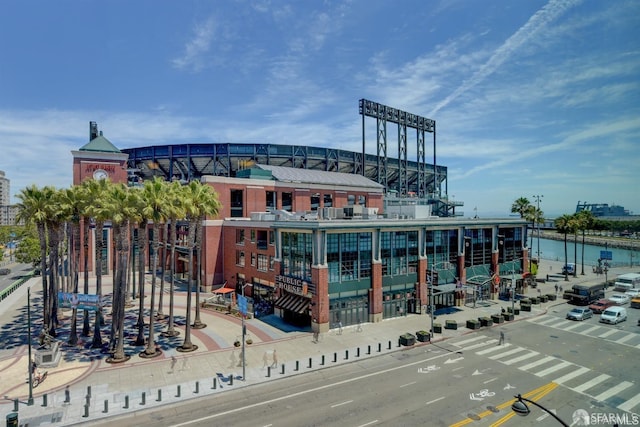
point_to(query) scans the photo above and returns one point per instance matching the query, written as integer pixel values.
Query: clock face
(100, 174)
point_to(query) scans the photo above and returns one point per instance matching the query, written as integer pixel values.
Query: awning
(222, 290)
(292, 302)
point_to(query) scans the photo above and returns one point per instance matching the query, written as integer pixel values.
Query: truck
(585, 294)
(627, 281)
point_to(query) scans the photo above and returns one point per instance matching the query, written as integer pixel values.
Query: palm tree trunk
(566, 259)
(74, 248)
(582, 273)
(86, 327)
(151, 350)
(171, 331)
(142, 239)
(97, 336)
(575, 254)
(160, 314)
(197, 323)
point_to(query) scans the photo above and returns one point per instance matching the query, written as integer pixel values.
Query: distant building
(602, 209)
(5, 186)
(7, 212)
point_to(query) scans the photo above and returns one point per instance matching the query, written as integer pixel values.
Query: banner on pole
(79, 301)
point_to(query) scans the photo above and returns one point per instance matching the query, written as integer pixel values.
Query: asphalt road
(563, 365)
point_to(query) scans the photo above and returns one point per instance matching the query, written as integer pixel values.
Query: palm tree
(585, 221)
(33, 209)
(142, 244)
(521, 206)
(564, 225)
(175, 211)
(97, 191)
(575, 225)
(154, 196)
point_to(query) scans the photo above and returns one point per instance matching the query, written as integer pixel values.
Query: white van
(614, 315)
(624, 282)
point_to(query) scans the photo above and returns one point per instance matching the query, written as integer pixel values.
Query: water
(554, 250)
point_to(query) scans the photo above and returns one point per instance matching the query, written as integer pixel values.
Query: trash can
(12, 420)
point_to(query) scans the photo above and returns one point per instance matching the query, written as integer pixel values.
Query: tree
(155, 202)
(521, 206)
(564, 225)
(585, 221)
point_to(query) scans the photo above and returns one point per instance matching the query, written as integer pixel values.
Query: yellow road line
(533, 395)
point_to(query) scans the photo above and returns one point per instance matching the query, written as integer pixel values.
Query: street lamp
(242, 307)
(537, 198)
(521, 408)
(30, 400)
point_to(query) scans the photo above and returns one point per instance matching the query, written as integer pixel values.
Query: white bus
(624, 282)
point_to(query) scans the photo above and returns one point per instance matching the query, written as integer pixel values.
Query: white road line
(368, 424)
(609, 332)
(625, 338)
(597, 380)
(571, 375)
(613, 391)
(408, 384)
(506, 353)
(341, 403)
(476, 338)
(537, 363)
(520, 358)
(629, 404)
(492, 349)
(557, 367)
(568, 328)
(542, 320)
(489, 381)
(434, 400)
(591, 329)
(482, 344)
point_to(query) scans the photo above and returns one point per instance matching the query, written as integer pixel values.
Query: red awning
(223, 291)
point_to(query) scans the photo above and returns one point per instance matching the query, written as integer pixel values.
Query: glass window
(237, 204)
(240, 258)
(240, 236)
(287, 201)
(271, 200)
(263, 262)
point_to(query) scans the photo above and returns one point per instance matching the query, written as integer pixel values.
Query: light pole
(30, 400)
(430, 286)
(537, 198)
(521, 408)
(242, 306)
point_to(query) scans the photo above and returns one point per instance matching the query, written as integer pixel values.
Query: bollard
(379, 347)
(389, 344)
(106, 406)
(15, 405)
(215, 384)
(67, 396)
(144, 398)
(346, 355)
(126, 402)
(282, 370)
(178, 394)
(87, 399)
(197, 387)
(358, 352)
(268, 371)
(335, 357)
(297, 365)
(369, 349)
(159, 399)
(44, 399)
(230, 379)
(89, 390)
(86, 411)
(322, 360)
(310, 362)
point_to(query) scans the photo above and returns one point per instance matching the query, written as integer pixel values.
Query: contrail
(534, 25)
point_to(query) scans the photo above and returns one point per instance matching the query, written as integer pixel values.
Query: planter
(525, 307)
(437, 328)
(543, 298)
(423, 336)
(497, 318)
(249, 341)
(551, 297)
(509, 316)
(535, 300)
(407, 339)
(473, 324)
(237, 343)
(451, 324)
(485, 321)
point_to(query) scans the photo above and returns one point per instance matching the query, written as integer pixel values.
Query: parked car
(5, 271)
(601, 305)
(614, 315)
(620, 299)
(580, 313)
(634, 292)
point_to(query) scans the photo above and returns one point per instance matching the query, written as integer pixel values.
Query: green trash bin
(12, 420)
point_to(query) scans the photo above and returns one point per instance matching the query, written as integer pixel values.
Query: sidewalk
(84, 377)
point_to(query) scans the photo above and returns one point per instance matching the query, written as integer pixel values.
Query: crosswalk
(624, 395)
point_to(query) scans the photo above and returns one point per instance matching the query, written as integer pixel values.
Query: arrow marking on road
(508, 386)
(454, 360)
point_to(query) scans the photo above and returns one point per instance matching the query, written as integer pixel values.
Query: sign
(242, 305)
(608, 255)
(292, 285)
(79, 301)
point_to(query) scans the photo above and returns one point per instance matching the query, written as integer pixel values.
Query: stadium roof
(286, 174)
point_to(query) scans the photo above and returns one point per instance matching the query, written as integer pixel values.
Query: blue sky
(529, 97)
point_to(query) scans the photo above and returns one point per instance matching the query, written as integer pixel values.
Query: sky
(530, 98)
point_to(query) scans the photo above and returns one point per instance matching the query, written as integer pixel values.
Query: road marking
(597, 380)
(488, 381)
(492, 349)
(506, 353)
(540, 393)
(408, 384)
(554, 368)
(476, 338)
(575, 325)
(544, 320)
(537, 363)
(591, 329)
(571, 375)
(625, 338)
(629, 404)
(613, 391)
(434, 400)
(482, 344)
(609, 332)
(368, 424)
(521, 358)
(341, 403)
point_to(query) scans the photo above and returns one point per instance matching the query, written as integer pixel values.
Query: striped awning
(292, 302)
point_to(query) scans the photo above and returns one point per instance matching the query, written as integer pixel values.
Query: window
(237, 204)
(297, 255)
(253, 259)
(349, 256)
(272, 262)
(240, 258)
(253, 236)
(315, 201)
(287, 201)
(328, 201)
(262, 236)
(271, 200)
(272, 238)
(263, 262)
(240, 236)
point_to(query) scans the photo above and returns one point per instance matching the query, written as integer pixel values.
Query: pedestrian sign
(242, 305)
(608, 255)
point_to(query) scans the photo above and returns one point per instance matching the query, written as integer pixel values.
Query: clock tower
(99, 159)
